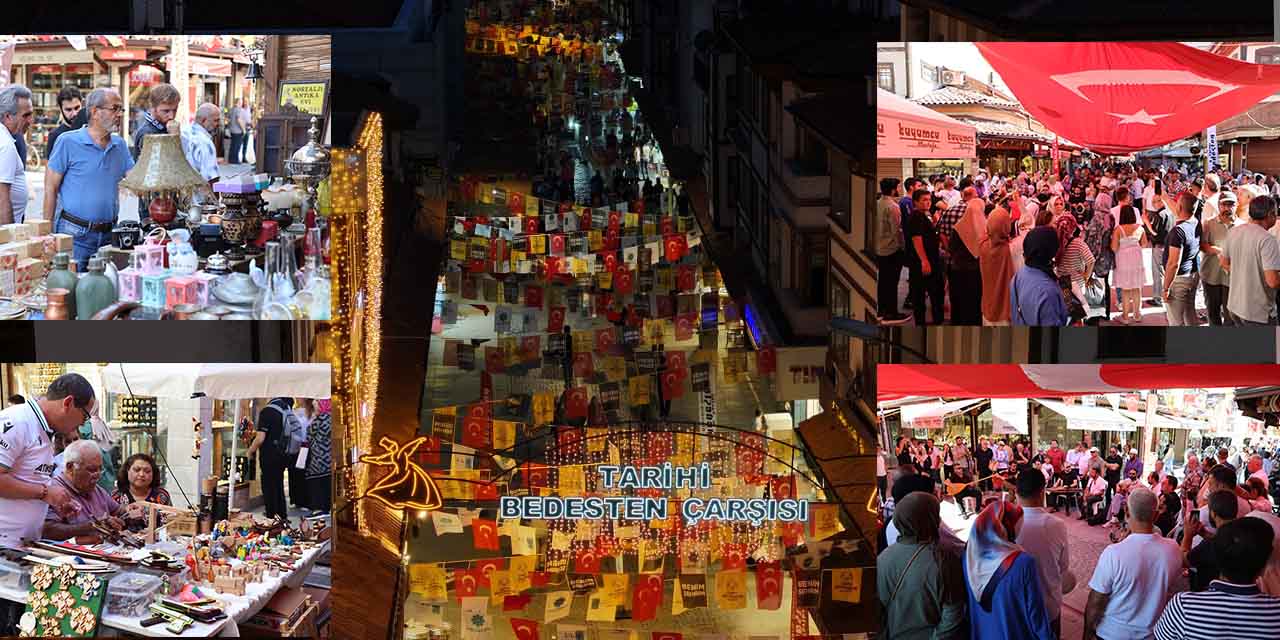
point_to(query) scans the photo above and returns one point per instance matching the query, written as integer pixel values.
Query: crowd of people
(1046, 249)
(1188, 547)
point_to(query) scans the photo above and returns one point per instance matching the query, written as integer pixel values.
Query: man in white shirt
(1255, 470)
(1158, 469)
(949, 192)
(197, 142)
(1073, 457)
(1095, 492)
(15, 118)
(1045, 538)
(1134, 577)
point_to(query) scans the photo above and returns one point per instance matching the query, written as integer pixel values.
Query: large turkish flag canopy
(1051, 380)
(1120, 97)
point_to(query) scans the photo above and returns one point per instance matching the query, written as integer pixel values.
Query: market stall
(913, 140)
(190, 570)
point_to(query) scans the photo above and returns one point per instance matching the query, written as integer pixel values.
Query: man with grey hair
(197, 141)
(15, 116)
(82, 181)
(1134, 578)
(83, 468)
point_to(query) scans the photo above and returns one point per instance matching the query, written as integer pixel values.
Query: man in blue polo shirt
(82, 181)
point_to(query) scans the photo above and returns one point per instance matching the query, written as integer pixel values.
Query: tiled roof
(958, 96)
(1004, 130)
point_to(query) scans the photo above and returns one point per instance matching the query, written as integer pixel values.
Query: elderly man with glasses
(82, 182)
(15, 118)
(93, 503)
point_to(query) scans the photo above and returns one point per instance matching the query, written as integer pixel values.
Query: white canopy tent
(1083, 418)
(219, 381)
(932, 415)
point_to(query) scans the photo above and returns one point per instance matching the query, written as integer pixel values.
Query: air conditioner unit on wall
(952, 78)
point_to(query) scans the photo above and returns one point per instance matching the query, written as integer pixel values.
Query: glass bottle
(131, 279)
(313, 300)
(62, 278)
(272, 305)
(94, 292)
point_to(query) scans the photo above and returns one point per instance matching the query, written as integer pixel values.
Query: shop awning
(221, 381)
(907, 130)
(202, 66)
(932, 415)
(1082, 418)
(1041, 380)
(1158, 421)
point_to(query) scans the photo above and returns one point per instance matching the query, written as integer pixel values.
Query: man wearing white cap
(1133, 463)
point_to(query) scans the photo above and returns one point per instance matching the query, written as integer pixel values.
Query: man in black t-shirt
(924, 261)
(1170, 504)
(272, 458)
(983, 457)
(1157, 224)
(1223, 508)
(1113, 464)
(1182, 265)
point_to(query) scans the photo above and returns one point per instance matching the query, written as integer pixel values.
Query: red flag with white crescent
(484, 534)
(768, 586)
(515, 203)
(524, 629)
(531, 225)
(733, 556)
(623, 282)
(555, 320)
(605, 339)
(674, 246)
(647, 597)
(466, 583)
(766, 360)
(685, 325)
(1120, 97)
(672, 386)
(517, 603)
(586, 561)
(575, 403)
(475, 432)
(583, 364)
(686, 278)
(530, 347)
(678, 361)
(485, 568)
(533, 296)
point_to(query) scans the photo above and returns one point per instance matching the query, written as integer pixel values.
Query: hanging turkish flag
(475, 432)
(605, 339)
(539, 578)
(518, 603)
(524, 629)
(667, 635)
(675, 246)
(536, 475)
(611, 262)
(1120, 97)
(557, 245)
(686, 278)
(533, 296)
(666, 307)
(485, 568)
(685, 324)
(575, 401)
(485, 491)
(615, 220)
(484, 534)
(612, 239)
(584, 220)
(466, 582)
(647, 597)
(553, 266)
(782, 487)
(677, 361)
(623, 283)
(530, 347)
(766, 360)
(586, 561)
(792, 533)
(733, 556)
(479, 409)
(515, 203)
(768, 586)
(671, 384)
(531, 225)
(555, 320)
(668, 225)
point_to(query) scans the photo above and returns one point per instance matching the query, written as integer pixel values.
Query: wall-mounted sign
(668, 477)
(799, 371)
(408, 486)
(307, 96)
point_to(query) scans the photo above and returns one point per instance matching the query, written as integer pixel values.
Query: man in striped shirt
(1233, 606)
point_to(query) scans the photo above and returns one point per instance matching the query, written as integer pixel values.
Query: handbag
(1095, 292)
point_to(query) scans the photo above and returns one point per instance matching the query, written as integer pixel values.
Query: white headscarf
(989, 545)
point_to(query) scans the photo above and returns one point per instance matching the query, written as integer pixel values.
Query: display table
(237, 608)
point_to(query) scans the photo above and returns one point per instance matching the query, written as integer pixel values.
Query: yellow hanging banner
(639, 387)
(846, 585)
(731, 590)
(428, 580)
(504, 434)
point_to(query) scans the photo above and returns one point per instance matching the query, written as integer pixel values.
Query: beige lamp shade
(162, 167)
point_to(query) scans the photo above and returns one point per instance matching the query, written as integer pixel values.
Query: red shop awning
(1118, 97)
(905, 129)
(955, 381)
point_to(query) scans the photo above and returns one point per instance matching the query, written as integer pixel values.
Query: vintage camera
(126, 235)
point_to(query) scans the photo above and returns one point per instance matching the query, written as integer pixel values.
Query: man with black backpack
(280, 436)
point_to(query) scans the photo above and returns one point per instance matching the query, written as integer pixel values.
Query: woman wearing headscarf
(1002, 581)
(919, 580)
(964, 274)
(1074, 260)
(996, 261)
(1034, 297)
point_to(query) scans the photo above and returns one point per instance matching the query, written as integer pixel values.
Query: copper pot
(163, 210)
(57, 304)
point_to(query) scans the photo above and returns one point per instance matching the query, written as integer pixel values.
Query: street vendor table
(237, 608)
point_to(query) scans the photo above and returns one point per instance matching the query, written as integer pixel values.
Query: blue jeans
(85, 243)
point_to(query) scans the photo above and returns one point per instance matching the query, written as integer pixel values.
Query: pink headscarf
(1065, 226)
(989, 545)
(322, 406)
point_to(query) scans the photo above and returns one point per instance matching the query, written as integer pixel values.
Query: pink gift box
(152, 258)
(180, 290)
(8, 260)
(203, 282)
